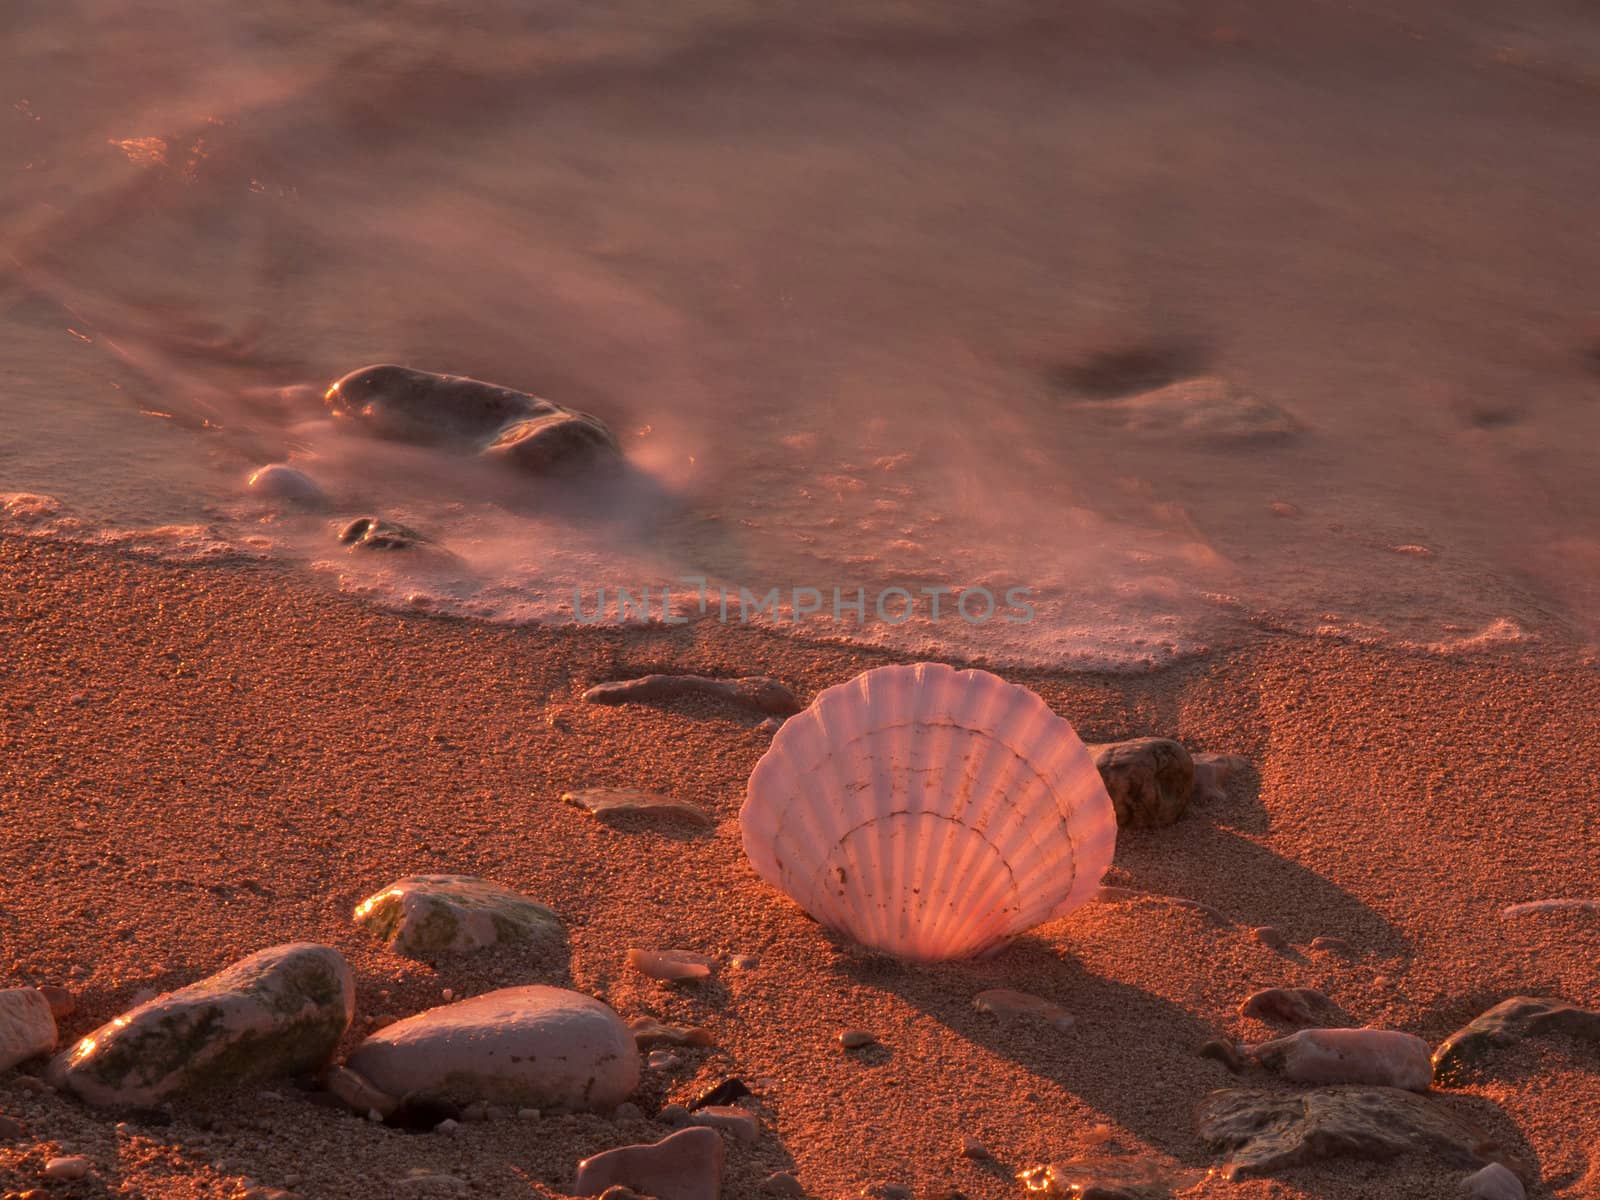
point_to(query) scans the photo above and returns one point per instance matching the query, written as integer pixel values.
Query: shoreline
(204, 761)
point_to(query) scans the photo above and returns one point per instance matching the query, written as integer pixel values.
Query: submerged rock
(671, 966)
(1263, 1133)
(1150, 780)
(686, 1165)
(752, 691)
(1385, 1057)
(608, 803)
(1009, 1005)
(279, 481)
(374, 533)
(459, 413)
(27, 1026)
(277, 1013)
(1506, 1023)
(424, 915)
(544, 1047)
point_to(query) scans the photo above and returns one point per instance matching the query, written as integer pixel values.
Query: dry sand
(197, 763)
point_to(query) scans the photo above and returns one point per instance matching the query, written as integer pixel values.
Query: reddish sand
(200, 763)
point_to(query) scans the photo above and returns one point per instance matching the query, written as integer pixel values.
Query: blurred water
(875, 295)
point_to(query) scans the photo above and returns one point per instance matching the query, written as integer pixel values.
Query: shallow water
(875, 296)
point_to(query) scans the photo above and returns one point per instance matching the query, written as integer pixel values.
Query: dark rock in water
(374, 533)
(1506, 1023)
(1150, 780)
(1289, 1006)
(753, 691)
(725, 1092)
(1263, 1133)
(469, 415)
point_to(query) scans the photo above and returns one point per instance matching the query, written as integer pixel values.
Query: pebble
(743, 962)
(752, 691)
(673, 1114)
(66, 1167)
(1009, 1005)
(781, 1183)
(726, 1092)
(1494, 1182)
(1508, 1022)
(671, 966)
(283, 482)
(663, 1060)
(1331, 945)
(887, 1191)
(541, 1046)
(855, 1039)
(1271, 935)
(686, 1165)
(426, 915)
(1384, 1057)
(1544, 906)
(448, 1125)
(609, 803)
(648, 1032)
(1150, 780)
(1222, 1052)
(375, 533)
(741, 1124)
(1292, 1006)
(972, 1148)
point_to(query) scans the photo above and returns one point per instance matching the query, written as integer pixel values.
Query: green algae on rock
(278, 1013)
(423, 915)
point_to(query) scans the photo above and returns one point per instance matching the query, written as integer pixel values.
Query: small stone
(1331, 945)
(62, 1002)
(426, 915)
(1265, 1133)
(475, 1112)
(743, 962)
(359, 1095)
(66, 1167)
(726, 1092)
(1224, 1053)
(1009, 1005)
(673, 1114)
(541, 1046)
(728, 1119)
(628, 1112)
(1271, 935)
(280, 481)
(278, 1013)
(447, 994)
(671, 966)
(663, 1060)
(1494, 1182)
(1529, 907)
(1149, 779)
(972, 1148)
(686, 1165)
(27, 1027)
(855, 1039)
(610, 803)
(752, 691)
(647, 1032)
(11, 1130)
(887, 1191)
(781, 1183)
(1101, 1177)
(1506, 1023)
(1385, 1057)
(1292, 1006)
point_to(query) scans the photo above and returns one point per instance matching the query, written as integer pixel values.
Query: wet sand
(198, 763)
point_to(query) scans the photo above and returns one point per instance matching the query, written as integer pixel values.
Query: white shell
(928, 812)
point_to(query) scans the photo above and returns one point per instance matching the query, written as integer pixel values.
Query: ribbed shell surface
(929, 813)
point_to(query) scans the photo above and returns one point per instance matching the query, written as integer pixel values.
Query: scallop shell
(929, 813)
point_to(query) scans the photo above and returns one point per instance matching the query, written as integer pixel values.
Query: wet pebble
(280, 481)
(66, 1168)
(726, 1092)
(855, 1039)
(374, 533)
(671, 966)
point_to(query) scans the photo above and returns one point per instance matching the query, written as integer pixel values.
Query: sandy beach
(199, 763)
